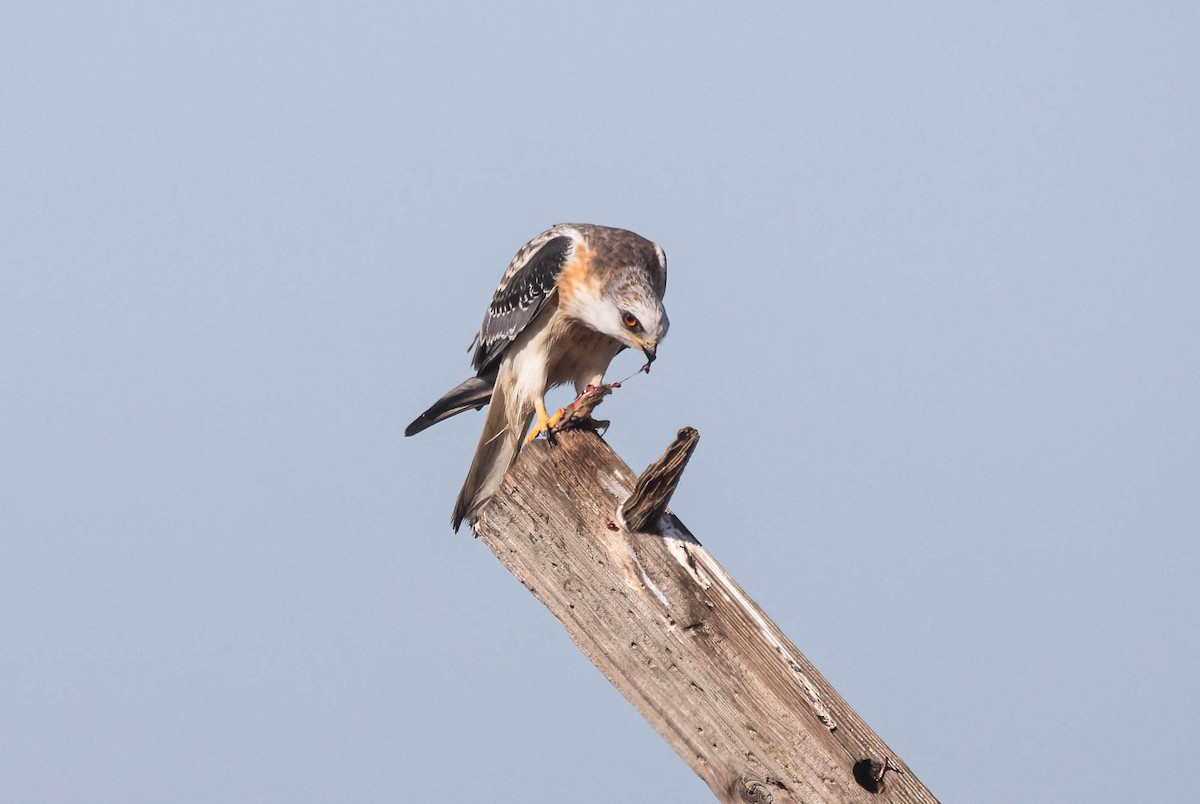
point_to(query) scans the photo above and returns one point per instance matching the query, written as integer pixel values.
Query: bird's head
(628, 309)
(643, 323)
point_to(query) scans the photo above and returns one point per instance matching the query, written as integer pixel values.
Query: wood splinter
(652, 493)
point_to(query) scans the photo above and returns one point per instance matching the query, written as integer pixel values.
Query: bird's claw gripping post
(574, 416)
(543, 424)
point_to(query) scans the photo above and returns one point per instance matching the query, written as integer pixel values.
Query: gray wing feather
(475, 392)
(523, 291)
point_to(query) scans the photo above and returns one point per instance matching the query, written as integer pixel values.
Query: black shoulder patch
(530, 279)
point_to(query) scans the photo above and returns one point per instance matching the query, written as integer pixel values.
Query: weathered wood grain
(652, 492)
(680, 639)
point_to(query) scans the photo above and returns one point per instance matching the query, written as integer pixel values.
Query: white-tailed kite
(571, 299)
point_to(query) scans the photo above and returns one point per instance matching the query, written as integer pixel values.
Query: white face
(636, 320)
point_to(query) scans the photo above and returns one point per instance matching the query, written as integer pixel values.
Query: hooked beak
(649, 349)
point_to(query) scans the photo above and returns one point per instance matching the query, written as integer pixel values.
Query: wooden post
(676, 635)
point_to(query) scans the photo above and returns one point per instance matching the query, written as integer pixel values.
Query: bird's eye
(629, 321)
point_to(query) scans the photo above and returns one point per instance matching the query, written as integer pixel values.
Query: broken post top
(652, 493)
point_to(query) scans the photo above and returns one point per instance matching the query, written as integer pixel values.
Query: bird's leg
(575, 415)
(543, 422)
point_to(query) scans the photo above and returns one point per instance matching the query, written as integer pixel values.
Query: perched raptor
(571, 298)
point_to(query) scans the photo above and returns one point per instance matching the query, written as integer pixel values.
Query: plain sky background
(934, 291)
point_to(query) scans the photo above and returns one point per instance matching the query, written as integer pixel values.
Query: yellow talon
(539, 421)
(544, 423)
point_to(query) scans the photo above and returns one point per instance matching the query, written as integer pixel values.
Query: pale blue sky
(935, 291)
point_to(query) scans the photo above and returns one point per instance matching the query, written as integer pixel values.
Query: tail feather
(498, 448)
(473, 393)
